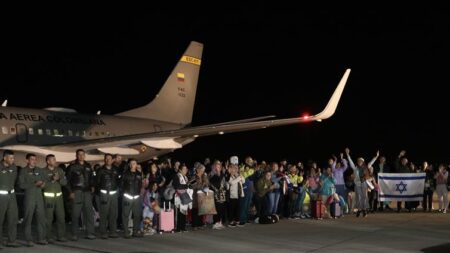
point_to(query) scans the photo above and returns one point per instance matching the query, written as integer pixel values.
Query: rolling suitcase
(316, 209)
(335, 210)
(166, 220)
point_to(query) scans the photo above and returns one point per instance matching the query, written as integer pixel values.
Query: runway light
(195, 136)
(221, 132)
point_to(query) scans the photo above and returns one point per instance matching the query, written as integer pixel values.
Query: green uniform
(33, 202)
(107, 183)
(54, 204)
(80, 179)
(8, 203)
(132, 201)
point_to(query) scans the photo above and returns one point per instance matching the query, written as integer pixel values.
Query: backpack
(268, 219)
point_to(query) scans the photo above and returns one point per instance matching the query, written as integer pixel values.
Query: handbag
(206, 204)
(330, 200)
(185, 198)
(155, 206)
(169, 192)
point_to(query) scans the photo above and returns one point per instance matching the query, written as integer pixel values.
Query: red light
(305, 116)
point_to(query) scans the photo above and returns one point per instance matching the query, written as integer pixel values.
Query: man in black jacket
(380, 167)
(108, 184)
(132, 201)
(401, 166)
(81, 187)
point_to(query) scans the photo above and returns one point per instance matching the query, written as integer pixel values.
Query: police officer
(132, 202)
(108, 184)
(32, 180)
(81, 187)
(53, 199)
(121, 165)
(8, 203)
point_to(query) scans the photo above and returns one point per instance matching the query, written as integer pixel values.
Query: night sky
(257, 61)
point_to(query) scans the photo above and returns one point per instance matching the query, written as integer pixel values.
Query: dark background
(258, 60)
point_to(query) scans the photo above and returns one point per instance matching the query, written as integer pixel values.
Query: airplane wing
(168, 139)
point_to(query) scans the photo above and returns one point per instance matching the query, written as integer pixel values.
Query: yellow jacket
(246, 171)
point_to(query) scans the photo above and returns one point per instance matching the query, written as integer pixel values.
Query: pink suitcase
(166, 220)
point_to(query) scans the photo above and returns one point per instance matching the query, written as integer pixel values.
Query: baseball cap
(234, 160)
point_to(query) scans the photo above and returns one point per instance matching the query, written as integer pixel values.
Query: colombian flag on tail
(180, 77)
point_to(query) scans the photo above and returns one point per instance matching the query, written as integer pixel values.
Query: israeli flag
(401, 186)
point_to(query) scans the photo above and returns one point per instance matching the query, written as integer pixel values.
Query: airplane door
(21, 133)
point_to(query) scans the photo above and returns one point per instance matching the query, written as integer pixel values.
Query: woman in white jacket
(181, 184)
(235, 192)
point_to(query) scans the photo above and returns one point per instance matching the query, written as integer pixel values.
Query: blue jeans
(301, 198)
(342, 201)
(244, 205)
(340, 190)
(274, 198)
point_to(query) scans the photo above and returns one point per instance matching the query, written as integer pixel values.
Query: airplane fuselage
(38, 131)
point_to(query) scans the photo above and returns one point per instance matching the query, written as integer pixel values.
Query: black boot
(358, 213)
(364, 213)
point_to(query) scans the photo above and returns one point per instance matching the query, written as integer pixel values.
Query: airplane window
(55, 132)
(84, 133)
(48, 131)
(108, 133)
(4, 130)
(30, 131)
(13, 130)
(77, 133)
(103, 133)
(69, 132)
(96, 134)
(40, 131)
(90, 133)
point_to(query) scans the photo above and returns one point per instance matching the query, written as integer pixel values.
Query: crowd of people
(129, 198)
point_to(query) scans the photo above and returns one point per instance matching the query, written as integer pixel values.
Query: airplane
(143, 133)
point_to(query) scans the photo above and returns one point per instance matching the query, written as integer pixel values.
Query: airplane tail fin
(175, 101)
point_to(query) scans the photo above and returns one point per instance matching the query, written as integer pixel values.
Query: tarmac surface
(380, 232)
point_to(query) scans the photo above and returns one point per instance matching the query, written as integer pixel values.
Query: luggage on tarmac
(166, 219)
(206, 203)
(335, 210)
(316, 209)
